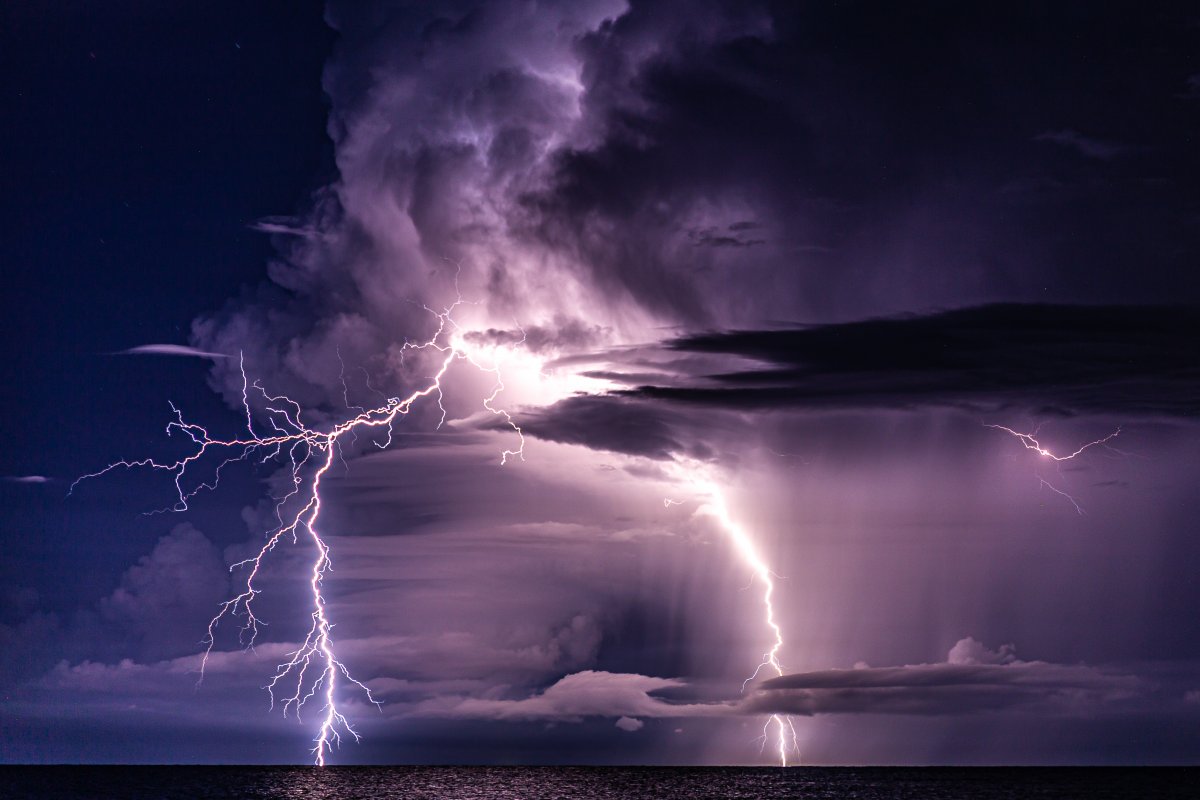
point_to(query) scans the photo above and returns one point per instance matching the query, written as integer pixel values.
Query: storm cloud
(596, 171)
(782, 258)
(1056, 360)
(972, 680)
(1044, 361)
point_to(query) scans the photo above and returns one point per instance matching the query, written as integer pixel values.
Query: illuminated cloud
(27, 479)
(579, 695)
(730, 237)
(169, 350)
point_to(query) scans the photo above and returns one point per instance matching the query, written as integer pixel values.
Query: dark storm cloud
(1126, 361)
(941, 690)
(609, 423)
(1139, 361)
(974, 679)
(564, 333)
(890, 157)
(729, 236)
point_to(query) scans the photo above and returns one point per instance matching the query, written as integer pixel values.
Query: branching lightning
(313, 668)
(744, 545)
(1030, 442)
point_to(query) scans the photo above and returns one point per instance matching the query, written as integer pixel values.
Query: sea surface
(531, 783)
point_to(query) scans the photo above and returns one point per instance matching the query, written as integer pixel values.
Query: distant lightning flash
(313, 668)
(747, 550)
(1030, 442)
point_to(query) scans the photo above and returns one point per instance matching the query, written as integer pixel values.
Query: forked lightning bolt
(313, 669)
(743, 543)
(1030, 442)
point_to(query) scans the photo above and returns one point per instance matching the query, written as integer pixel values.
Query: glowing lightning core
(747, 550)
(293, 440)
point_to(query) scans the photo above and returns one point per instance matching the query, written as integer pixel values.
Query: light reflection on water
(530, 783)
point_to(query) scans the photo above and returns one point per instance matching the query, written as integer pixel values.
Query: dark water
(373, 783)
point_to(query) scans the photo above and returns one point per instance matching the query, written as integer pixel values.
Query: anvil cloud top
(601, 382)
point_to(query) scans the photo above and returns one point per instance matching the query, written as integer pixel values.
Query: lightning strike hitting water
(748, 551)
(1030, 442)
(313, 668)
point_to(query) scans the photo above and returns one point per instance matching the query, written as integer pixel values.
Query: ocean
(531, 783)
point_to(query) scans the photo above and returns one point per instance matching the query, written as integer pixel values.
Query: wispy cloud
(285, 226)
(31, 479)
(1084, 145)
(169, 350)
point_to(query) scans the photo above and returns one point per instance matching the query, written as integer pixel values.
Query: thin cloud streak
(170, 350)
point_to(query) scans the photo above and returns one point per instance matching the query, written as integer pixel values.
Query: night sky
(798, 271)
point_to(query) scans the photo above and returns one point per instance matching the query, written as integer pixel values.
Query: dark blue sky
(787, 261)
(139, 146)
